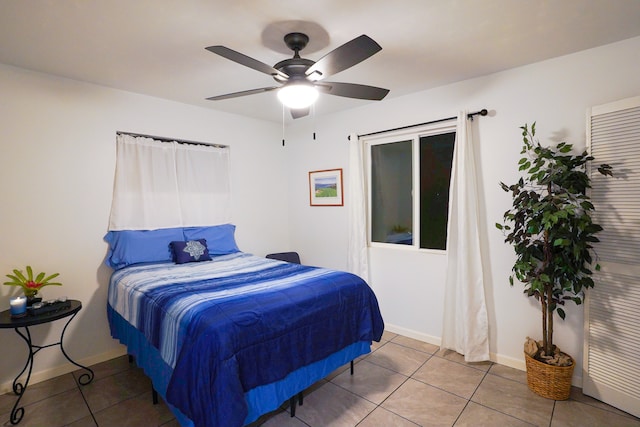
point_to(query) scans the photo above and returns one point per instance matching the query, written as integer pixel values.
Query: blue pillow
(190, 251)
(128, 247)
(220, 238)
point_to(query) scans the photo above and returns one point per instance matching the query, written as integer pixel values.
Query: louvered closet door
(612, 314)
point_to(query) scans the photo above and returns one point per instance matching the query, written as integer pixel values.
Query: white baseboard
(508, 361)
(495, 357)
(412, 334)
(65, 368)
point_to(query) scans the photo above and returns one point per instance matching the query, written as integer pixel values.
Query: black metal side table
(6, 322)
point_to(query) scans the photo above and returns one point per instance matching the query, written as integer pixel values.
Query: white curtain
(357, 260)
(169, 184)
(465, 326)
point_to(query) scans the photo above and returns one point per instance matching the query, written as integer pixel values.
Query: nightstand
(21, 326)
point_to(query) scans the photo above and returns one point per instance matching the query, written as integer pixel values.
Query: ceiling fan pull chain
(313, 114)
(283, 125)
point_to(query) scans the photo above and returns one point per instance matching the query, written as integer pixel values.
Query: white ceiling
(157, 47)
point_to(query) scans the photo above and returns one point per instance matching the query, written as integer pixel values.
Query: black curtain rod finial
(482, 112)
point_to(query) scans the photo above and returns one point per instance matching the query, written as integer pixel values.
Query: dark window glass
(436, 158)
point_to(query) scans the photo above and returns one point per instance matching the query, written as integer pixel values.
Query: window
(165, 183)
(409, 177)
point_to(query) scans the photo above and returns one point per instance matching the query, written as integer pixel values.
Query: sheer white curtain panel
(465, 324)
(357, 251)
(168, 184)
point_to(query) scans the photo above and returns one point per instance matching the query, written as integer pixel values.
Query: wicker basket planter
(552, 382)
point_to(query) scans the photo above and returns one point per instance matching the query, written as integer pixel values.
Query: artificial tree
(550, 228)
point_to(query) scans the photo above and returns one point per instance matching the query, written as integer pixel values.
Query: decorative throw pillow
(220, 238)
(190, 251)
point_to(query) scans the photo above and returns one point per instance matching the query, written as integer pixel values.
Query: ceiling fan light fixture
(297, 77)
(298, 95)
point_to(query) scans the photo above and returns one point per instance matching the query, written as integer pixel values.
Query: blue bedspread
(238, 322)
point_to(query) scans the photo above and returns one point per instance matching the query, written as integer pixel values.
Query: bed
(230, 336)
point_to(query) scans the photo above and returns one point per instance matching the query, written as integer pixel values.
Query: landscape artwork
(325, 188)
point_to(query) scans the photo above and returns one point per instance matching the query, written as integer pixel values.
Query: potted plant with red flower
(31, 284)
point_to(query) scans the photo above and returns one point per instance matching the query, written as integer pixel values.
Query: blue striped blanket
(238, 322)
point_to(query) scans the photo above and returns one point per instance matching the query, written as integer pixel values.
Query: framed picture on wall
(325, 188)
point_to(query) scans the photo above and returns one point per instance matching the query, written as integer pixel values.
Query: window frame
(414, 134)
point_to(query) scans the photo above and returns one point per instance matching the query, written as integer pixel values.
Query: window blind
(612, 335)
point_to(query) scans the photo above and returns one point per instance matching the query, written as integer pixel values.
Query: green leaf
(605, 169)
(14, 278)
(54, 275)
(12, 284)
(527, 165)
(20, 275)
(499, 226)
(561, 313)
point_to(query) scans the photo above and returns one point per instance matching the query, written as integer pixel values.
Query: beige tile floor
(402, 383)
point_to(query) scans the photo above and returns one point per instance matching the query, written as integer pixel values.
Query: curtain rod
(482, 112)
(164, 139)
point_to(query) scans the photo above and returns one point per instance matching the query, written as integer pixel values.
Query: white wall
(409, 285)
(57, 145)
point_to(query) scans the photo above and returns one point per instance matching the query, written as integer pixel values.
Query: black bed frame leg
(154, 393)
(292, 403)
(300, 396)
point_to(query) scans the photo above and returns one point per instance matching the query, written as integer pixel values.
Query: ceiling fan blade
(300, 112)
(343, 57)
(243, 93)
(246, 61)
(352, 90)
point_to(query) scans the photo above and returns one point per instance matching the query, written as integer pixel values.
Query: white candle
(18, 306)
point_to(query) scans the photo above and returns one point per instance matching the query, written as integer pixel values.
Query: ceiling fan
(300, 79)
